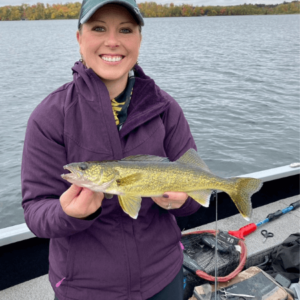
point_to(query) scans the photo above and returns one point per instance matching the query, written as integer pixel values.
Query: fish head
(92, 175)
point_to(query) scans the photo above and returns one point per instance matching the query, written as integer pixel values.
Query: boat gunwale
(21, 232)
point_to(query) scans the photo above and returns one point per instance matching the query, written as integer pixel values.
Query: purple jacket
(111, 256)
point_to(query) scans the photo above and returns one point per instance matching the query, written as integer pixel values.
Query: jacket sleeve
(44, 156)
(178, 140)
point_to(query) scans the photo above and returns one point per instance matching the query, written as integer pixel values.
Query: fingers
(86, 193)
(87, 202)
(175, 196)
(80, 202)
(72, 192)
(171, 200)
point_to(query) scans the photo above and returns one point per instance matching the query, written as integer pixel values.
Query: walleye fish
(140, 176)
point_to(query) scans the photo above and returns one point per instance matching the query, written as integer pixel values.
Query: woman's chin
(113, 76)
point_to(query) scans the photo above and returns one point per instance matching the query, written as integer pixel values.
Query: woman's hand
(171, 200)
(80, 202)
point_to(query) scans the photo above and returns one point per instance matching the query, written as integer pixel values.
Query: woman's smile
(112, 59)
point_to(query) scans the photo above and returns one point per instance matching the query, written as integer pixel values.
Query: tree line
(42, 11)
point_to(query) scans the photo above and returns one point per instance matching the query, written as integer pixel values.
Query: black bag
(285, 259)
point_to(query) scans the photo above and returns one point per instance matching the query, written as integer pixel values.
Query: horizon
(163, 2)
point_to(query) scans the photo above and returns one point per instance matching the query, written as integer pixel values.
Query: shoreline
(69, 11)
(161, 17)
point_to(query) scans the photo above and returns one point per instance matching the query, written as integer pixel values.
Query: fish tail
(243, 189)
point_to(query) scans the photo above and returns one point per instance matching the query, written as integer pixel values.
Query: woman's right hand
(79, 202)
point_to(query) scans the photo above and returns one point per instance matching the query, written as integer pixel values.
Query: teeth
(111, 58)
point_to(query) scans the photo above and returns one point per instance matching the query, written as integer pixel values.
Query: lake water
(236, 78)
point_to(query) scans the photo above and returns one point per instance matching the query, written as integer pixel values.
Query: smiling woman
(109, 44)
(111, 110)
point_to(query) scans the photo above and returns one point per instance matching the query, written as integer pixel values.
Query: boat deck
(39, 288)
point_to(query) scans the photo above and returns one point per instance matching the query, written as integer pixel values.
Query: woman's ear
(78, 36)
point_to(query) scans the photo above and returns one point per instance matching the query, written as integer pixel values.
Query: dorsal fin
(191, 157)
(150, 158)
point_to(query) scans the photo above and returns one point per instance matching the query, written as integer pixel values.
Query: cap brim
(134, 10)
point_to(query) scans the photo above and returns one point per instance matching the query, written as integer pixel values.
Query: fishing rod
(245, 230)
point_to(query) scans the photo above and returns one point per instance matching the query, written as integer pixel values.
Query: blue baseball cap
(89, 7)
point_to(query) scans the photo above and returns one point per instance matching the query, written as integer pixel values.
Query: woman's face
(110, 42)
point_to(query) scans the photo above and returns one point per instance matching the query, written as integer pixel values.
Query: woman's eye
(99, 29)
(125, 30)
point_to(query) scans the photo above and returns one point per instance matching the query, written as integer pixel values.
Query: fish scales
(163, 177)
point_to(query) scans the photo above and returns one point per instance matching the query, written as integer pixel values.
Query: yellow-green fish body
(151, 176)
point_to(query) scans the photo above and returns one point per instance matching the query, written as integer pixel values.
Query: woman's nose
(112, 40)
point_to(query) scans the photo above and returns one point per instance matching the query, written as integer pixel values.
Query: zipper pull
(60, 282)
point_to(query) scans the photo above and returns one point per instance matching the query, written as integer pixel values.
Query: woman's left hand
(173, 201)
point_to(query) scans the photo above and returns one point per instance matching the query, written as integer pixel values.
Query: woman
(109, 111)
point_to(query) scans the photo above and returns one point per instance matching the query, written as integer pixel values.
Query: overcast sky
(177, 2)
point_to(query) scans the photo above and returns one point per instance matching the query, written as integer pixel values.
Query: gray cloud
(176, 2)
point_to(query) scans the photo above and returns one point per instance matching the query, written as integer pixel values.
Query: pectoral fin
(129, 179)
(130, 204)
(202, 196)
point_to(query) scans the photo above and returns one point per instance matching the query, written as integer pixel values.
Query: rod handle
(275, 215)
(295, 204)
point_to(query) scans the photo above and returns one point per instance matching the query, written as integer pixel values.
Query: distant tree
(15, 14)
(223, 11)
(3, 13)
(187, 10)
(198, 11)
(40, 11)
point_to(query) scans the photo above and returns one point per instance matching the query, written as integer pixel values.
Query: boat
(24, 257)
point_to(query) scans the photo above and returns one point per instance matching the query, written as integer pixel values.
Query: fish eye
(83, 166)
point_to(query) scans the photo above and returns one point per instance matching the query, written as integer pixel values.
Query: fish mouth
(69, 177)
(73, 175)
(80, 179)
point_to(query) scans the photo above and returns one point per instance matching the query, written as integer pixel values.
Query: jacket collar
(146, 103)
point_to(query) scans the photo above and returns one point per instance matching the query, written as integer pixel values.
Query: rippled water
(236, 78)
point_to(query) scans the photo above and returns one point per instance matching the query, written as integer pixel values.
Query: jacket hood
(86, 81)
(147, 100)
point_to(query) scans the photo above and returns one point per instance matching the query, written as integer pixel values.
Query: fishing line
(216, 244)
(201, 247)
